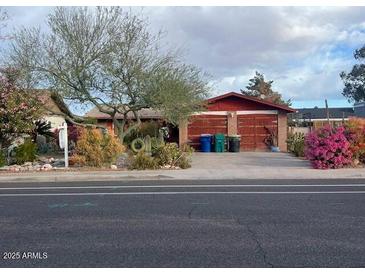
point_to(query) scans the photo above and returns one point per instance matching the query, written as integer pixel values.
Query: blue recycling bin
(205, 142)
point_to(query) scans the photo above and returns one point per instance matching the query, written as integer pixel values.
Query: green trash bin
(234, 142)
(219, 141)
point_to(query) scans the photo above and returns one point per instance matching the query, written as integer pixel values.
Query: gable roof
(53, 104)
(251, 98)
(321, 113)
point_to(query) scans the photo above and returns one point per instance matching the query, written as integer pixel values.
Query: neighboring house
(359, 109)
(234, 113)
(317, 117)
(54, 108)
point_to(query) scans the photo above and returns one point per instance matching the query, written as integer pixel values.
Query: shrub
(171, 155)
(112, 148)
(143, 161)
(355, 134)
(296, 144)
(25, 152)
(328, 147)
(150, 128)
(77, 160)
(271, 140)
(156, 143)
(96, 149)
(2, 159)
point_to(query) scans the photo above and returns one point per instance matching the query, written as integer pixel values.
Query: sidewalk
(216, 166)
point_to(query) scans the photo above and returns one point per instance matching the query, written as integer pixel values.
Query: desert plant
(111, 148)
(143, 161)
(296, 144)
(138, 145)
(96, 149)
(272, 139)
(156, 143)
(328, 147)
(42, 127)
(171, 155)
(355, 134)
(3, 161)
(148, 145)
(161, 137)
(150, 128)
(77, 160)
(26, 152)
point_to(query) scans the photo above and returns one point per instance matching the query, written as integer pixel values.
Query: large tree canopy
(260, 88)
(108, 57)
(354, 81)
(18, 110)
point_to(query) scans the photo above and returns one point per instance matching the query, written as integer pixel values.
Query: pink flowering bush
(328, 148)
(18, 109)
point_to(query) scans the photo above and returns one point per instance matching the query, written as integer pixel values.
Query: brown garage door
(205, 124)
(252, 129)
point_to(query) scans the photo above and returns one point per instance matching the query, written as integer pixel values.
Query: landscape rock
(37, 167)
(58, 163)
(123, 161)
(113, 167)
(15, 168)
(26, 164)
(46, 167)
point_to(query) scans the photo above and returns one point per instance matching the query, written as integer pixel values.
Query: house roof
(145, 113)
(253, 99)
(149, 113)
(321, 113)
(53, 103)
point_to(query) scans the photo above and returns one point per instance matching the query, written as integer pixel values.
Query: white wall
(56, 121)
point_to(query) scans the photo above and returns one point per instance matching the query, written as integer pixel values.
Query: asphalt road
(248, 223)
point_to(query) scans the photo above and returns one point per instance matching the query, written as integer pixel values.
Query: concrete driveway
(260, 165)
(248, 160)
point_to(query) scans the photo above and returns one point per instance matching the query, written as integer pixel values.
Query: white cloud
(303, 49)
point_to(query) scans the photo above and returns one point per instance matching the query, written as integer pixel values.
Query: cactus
(161, 139)
(148, 146)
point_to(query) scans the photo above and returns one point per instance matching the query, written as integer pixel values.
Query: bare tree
(3, 18)
(109, 58)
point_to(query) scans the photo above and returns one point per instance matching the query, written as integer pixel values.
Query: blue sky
(303, 49)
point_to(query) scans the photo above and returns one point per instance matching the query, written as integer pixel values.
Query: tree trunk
(119, 127)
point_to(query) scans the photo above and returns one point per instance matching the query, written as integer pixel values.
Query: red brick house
(233, 113)
(105, 120)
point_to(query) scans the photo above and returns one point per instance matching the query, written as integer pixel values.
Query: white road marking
(180, 193)
(171, 186)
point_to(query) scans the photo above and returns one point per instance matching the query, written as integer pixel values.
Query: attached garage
(252, 128)
(211, 124)
(234, 113)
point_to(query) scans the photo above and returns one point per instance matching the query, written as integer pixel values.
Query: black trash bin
(234, 142)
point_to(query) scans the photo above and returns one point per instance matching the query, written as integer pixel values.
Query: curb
(77, 177)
